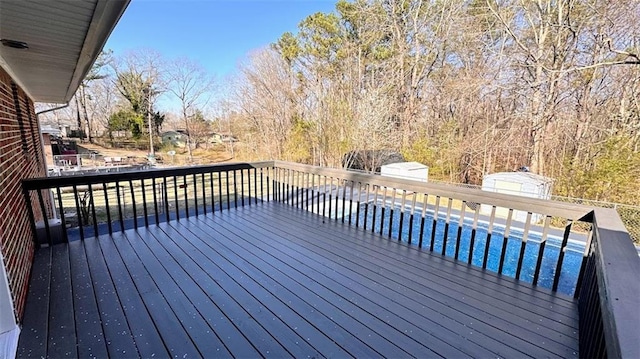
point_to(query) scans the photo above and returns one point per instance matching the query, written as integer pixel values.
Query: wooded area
(465, 87)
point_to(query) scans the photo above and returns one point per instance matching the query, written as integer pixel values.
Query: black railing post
(79, 213)
(204, 195)
(155, 200)
(445, 237)
(94, 217)
(133, 204)
(45, 218)
(62, 219)
(186, 196)
(459, 232)
(523, 245)
(144, 203)
(505, 240)
(565, 239)
(195, 193)
(32, 218)
(120, 216)
(487, 243)
(543, 242)
(175, 197)
(436, 217)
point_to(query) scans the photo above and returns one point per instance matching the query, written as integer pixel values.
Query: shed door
(512, 188)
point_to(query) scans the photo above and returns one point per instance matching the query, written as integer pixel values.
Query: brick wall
(20, 157)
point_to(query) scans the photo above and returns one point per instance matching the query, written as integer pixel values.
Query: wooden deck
(275, 281)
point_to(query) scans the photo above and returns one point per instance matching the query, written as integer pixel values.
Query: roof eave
(105, 18)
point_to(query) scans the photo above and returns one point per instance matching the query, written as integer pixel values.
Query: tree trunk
(186, 127)
(83, 103)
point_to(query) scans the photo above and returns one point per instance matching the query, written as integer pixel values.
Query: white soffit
(64, 37)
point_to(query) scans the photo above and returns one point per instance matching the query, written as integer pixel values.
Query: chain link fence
(629, 214)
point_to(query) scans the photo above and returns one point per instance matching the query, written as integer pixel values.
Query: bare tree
(191, 84)
(265, 96)
(551, 40)
(140, 80)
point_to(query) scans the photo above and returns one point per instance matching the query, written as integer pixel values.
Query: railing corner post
(32, 218)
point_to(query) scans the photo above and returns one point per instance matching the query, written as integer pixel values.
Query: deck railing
(104, 203)
(472, 225)
(521, 237)
(569, 248)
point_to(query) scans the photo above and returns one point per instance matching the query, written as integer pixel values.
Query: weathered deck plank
(407, 297)
(33, 340)
(272, 280)
(117, 332)
(497, 312)
(62, 326)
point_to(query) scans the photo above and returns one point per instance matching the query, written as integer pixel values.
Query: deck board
(148, 341)
(241, 318)
(171, 329)
(91, 342)
(117, 332)
(502, 316)
(62, 326)
(319, 281)
(33, 339)
(196, 291)
(196, 327)
(526, 295)
(275, 281)
(383, 345)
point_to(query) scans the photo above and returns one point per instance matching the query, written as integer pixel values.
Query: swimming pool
(570, 266)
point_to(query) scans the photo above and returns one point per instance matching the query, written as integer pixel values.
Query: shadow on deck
(276, 281)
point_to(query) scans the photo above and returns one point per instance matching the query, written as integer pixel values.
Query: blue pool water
(570, 267)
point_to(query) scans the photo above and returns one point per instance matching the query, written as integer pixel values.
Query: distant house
(49, 136)
(218, 138)
(48, 132)
(174, 138)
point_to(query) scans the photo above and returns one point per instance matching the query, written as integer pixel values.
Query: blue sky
(216, 33)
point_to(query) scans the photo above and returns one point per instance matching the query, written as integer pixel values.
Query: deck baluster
(382, 210)
(94, 217)
(144, 203)
(563, 248)
(195, 193)
(204, 193)
(523, 244)
(391, 211)
(505, 240)
(133, 204)
(45, 218)
(543, 242)
(445, 237)
(436, 217)
(459, 231)
(474, 230)
(62, 215)
(155, 200)
(425, 200)
(80, 216)
(487, 243)
(402, 204)
(175, 197)
(412, 216)
(376, 189)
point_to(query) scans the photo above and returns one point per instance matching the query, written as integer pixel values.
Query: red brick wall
(20, 157)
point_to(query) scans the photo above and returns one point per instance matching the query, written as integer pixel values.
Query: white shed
(519, 184)
(407, 170)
